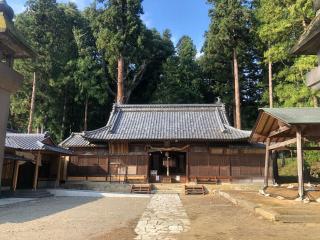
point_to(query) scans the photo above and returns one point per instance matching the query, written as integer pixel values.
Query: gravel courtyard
(77, 218)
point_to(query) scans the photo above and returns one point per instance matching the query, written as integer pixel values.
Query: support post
(36, 171)
(15, 175)
(266, 164)
(58, 173)
(187, 167)
(168, 169)
(300, 163)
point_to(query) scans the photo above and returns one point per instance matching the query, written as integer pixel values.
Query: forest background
(73, 83)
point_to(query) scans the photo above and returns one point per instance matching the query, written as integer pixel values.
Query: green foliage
(280, 24)
(180, 82)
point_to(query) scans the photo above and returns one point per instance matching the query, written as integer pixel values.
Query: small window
(199, 149)
(136, 148)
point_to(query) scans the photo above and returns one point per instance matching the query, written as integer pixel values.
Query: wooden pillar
(300, 162)
(15, 175)
(36, 171)
(58, 172)
(187, 167)
(168, 167)
(266, 164)
(148, 167)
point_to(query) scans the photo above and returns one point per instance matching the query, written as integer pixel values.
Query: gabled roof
(33, 142)
(271, 119)
(200, 122)
(76, 140)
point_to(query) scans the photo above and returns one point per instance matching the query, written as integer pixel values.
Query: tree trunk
(63, 125)
(120, 93)
(315, 101)
(85, 127)
(270, 85)
(32, 105)
(275, 166)
(236, 89)
(283, 161)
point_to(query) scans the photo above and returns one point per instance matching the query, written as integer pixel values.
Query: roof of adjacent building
(187, 122)
(76, 140)
(272, 119)
(295, 115)
(33, 142)
(309, 42)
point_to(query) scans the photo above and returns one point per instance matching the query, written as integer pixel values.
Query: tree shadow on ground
(41, 207)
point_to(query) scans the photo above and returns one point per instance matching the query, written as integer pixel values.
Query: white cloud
(199, 54)
(18, 7)
(147, 20)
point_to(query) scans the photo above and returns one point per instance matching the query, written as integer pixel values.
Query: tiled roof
(168, 122)
(76, 140)
(32, 142)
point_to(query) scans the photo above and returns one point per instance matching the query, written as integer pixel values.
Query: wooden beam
(279, 131)
(36, 171)
(15, 175)
(304, 148)
(266, 164)
(282, 144)
(300, 162)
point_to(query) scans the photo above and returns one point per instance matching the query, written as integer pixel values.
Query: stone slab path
(163, 218)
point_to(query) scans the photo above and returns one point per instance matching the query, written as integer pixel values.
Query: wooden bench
(141, 188)
(136, 179)
(194, 189)
(166, 179)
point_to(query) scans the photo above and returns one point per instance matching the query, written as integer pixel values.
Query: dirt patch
(120, 233)
(213, 217)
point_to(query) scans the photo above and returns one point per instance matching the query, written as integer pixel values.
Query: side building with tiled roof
(165, 143)
(31, 161)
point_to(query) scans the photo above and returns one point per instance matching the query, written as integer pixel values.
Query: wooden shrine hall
(165, 144)
(31, 161)
(288, 129)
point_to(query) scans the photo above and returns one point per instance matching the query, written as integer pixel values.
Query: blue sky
(182, 17)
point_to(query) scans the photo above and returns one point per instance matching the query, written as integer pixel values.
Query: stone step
(27, 194)
(167, 191)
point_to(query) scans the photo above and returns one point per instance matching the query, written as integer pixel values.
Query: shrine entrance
(167, 167)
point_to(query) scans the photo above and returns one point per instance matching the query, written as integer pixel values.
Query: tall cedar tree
(230, 53)
(119, 37)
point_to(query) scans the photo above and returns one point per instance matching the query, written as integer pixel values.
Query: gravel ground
(213, 217)
(81, 218)
(68, 218)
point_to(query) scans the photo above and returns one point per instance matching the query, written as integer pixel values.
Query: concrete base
(287, 214)
(8, 201)
(95, 194)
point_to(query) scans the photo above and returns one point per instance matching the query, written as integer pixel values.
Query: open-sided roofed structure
(281, 128)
